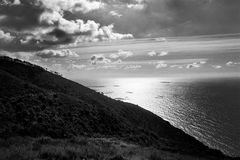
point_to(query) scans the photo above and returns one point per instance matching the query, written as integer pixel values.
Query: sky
(124, 38)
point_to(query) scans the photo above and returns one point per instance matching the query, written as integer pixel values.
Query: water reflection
(207, 110)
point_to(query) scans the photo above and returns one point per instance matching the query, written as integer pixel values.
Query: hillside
(35, 103)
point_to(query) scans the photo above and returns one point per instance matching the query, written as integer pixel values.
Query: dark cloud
(20, 17)
(61, 37)
(173, 17)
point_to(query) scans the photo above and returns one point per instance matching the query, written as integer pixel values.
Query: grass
(77, 148)
(23, 148)
(81, 148)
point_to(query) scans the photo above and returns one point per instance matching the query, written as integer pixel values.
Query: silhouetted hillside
(35, 102)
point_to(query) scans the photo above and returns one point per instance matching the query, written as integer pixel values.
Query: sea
(207, 109)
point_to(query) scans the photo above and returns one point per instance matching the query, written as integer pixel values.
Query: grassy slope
(34, 102)
(78, 148)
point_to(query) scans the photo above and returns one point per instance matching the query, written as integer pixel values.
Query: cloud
(56, 54)
(78, 30)
(99, 59)
(5, 37)
(132, 67)
(119, 61)
(202, 62)
(161, 65)
(114, 13)
(161, 39)
(76, 66)
(176, 66)
(216, 66)
(114, 56)
(40, 24)
(136, 6)
(163, 53)
(16, 2)
(193, 65)
(111, 66)
(106, 33)
(125, 54)
(157, 18)
(10, 42)
(231, 63)
(152, 53)
(121, 54)
(69, 5)
(197, 64)
(86, 6)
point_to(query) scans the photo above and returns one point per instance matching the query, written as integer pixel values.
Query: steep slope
(35, 102)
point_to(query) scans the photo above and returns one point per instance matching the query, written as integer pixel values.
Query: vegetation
(36, 103)
(79, 148)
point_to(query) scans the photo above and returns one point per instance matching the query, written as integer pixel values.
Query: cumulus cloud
(16, 2)
(197, 64)
(163, 53)
(114, 56)
(152, 53)
(136, 6)
(99, 59)
(5, 37)
(216, 66)
(161, 65)
(106, 33)
(85, 5)
(231, 63)
(6, 40)
(125, 54)
(154, 17)
(202, 62)
(121, 54)
(56, 54)
(193, 65)
(45, 23)
(77, 30)
(114, 13)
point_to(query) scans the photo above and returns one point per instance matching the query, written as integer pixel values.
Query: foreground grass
(79, 148)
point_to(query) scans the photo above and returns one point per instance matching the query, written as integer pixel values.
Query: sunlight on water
(136, 90)
(207, 110)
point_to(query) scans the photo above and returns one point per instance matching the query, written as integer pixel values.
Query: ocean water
(208, 109)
